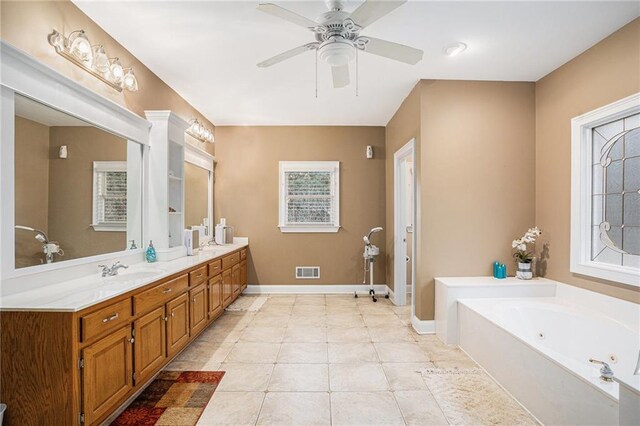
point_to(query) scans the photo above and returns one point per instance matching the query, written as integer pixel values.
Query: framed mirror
(77, 188)
(198, 191)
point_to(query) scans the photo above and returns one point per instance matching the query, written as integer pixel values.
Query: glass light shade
(129, 81)
(57, 40)
(79, 46)
(117, 72)
(207, 133)
(100, 59)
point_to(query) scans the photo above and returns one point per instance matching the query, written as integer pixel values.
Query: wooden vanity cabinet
(78, 368)
(198, 308)
(215, 296)
(150, 342)
(177, 324)
(107, 374)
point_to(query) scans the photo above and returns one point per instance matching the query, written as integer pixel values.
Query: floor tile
(390, 334)
(348, 335)
(254, 352)
(262, 334)
(270, 320)
(352, 353)
(308, 321)
(295, 408)
(217, 333)
(232, 408)
(245, 377)
(299, 377)
(178, 365)
(357, 377)
(303, 334)
(303, 353)
(420, 408)
(345, 320)
(202, 351)
(405, 376)
(312, 299)
(308, 310)
(364, 408)
(475, 399)
(377, 320)
(400, 352)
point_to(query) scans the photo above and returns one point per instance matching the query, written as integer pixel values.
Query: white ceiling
(208, 50)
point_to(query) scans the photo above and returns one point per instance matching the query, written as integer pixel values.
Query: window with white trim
(109, 196)
(309, 196)
(605, 206)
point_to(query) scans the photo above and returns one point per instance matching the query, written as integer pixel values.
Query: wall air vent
(307, 272)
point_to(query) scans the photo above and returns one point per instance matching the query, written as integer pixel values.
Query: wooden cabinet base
(73, 368)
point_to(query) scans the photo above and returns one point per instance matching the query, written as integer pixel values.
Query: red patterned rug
(173, 398)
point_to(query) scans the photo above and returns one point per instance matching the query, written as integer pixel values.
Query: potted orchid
(524, 257)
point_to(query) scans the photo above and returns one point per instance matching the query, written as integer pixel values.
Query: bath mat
(173, 398)
(248, 304)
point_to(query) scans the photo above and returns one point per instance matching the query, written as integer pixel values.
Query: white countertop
(487, 281)
(77, 294)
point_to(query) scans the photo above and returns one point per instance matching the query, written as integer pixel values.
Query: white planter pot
(524, 271)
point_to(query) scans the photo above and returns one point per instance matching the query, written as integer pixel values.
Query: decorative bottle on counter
(150, 254)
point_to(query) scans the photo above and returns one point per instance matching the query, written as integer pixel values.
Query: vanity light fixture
(455, 49)
(199, 131)
(94, 59)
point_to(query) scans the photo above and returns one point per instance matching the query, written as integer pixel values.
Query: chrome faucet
(113, 270)
(606, 373)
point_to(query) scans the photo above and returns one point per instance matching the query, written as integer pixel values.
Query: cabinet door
(150, 343)
(107, 376)
(235, 278)
(198, 308)
(227, 287)
(243, 275)
(177, 324)
(215, 296)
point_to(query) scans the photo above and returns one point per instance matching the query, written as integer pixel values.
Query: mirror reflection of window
(58, 194)
(196, 195)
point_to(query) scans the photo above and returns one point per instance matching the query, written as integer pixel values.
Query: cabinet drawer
(159, 294)
(105, 319)
(243, 254)
(215, 268)
(229, 261)
(198, 276)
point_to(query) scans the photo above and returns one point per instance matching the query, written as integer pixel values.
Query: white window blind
(109, 195)
(309, 200)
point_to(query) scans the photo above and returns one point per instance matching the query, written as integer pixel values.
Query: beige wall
(403, 126)
(71, 190)
(603, 74)
(26, 25)
(475, 176)
(31, 189)
(196, 187)
(246, 193)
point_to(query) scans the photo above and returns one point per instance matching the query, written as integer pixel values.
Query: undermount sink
(137, 274)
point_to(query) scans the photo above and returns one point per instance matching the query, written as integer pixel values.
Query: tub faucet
(110, 272)
(606, 373)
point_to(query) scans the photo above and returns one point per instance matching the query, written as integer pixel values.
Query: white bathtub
(538, 349)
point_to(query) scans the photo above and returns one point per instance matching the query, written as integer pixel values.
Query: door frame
(399, 223)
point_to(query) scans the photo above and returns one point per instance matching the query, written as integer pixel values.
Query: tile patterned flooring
(320, 360)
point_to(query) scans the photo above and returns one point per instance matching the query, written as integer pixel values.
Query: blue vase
(150, 254)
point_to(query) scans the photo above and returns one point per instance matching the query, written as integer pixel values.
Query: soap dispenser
(150, 254)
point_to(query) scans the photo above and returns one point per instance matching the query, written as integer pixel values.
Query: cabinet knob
(166, 318)
(173, 314)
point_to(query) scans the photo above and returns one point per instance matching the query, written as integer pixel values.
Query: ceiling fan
(337, 35)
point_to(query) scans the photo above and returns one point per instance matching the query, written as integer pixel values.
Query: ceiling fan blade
(287, 15)
(372, 10)
(286, 55)
(340, 76)
(391, 50)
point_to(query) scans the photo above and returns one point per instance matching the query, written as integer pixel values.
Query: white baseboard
(380, 289)
(423, 327)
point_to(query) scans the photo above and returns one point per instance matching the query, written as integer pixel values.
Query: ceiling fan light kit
(337, 35)
(455, 49)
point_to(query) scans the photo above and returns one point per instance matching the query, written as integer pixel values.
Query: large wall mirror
(78, 188)
(198, 190)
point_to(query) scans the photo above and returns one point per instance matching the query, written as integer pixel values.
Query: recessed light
(455, 49)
